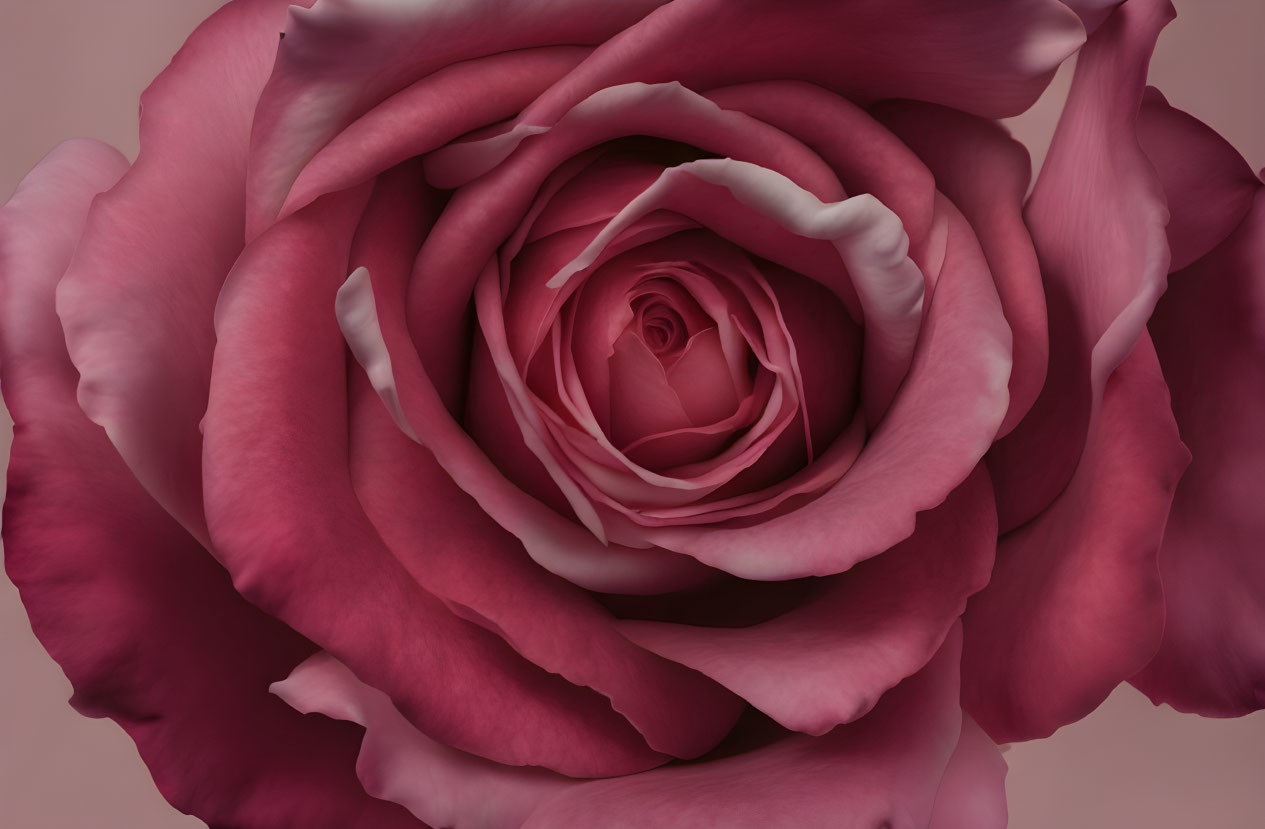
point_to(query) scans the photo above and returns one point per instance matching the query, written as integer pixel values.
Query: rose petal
(973, 790)
(1098, 193)
(985, 173)
(1209, 330)
(992, 58)
(481, 571)
(280, 499)
(138, 298)
(428, 114)
(438, 784)
(1208, 185)
(341, 57)
(744, 201)
(938, 428)
(146, 626)
(882, 770)
(1075, 604)
(828, 661)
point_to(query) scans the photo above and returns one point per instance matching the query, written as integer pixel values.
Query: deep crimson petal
(883, 770)
(138, 298)
(828, 661)
(287, 525)
(1208, 185)
(1097, 193)
(1209, 331)
(985, 173)
(342, 57)
(143, 621)
(1075, 605)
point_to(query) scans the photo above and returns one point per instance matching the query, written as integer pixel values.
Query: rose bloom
(565, 413)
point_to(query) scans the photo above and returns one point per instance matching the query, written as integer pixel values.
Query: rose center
(663, 330)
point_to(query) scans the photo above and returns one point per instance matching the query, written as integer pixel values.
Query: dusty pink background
(76, 68)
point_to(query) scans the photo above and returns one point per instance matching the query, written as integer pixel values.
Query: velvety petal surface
(883, 770)
(973, 790)
(143, 621)
(985, 173)
(1075, 605)
(828, 661)
(992, 58)
(1208, 185)
(1209, 331)
(286, 523)
(1097, 217)
(341, 57)
(138, 299)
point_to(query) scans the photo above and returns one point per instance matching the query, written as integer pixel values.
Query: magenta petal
(1209, 331)
(883, 770)
(1075, 605)
(143, 621)
(429, 114)
(280, 499)
(440, 785)
(483, 574)
(1097, 192)
(828, 661)
(340, 58)
(137, 300)
(973, 791)
(1208, 185)
(990, 57)
(985, 173)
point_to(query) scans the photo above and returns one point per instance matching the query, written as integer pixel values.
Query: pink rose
(636, 413)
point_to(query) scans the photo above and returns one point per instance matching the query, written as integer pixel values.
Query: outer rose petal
(138, 298)
(440, 785)
(1097, 217)
(343, 56)
(881, 771)
(985, 173)
(144, 623)
(287, 525)
(1037, 656)
(1208, 185)
(1209, 331)
(907, 763)
(973, 791)
(991, 57)
(828, 661)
